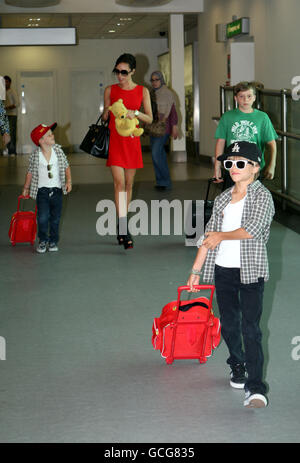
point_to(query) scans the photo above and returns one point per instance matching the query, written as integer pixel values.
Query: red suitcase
(187, 329)
(23, 225)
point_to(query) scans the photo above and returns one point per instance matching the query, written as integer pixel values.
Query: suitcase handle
(24, 197)
(186, 288)
(210, 181)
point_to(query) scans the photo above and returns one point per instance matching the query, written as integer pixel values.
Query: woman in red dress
(125, 153)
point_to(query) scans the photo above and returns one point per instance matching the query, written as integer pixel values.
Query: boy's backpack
(187, 329)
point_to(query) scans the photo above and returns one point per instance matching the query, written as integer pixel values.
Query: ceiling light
(142, 3)
(34, 35)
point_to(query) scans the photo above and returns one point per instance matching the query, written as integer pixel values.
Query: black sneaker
(238, 376)
(42, 247)
(255, 400)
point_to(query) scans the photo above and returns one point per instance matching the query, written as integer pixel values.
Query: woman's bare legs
(123, 184)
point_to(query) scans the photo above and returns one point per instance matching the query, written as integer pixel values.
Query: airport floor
(76, 329)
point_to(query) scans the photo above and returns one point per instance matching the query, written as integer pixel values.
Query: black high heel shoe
(128, 241)
(120, 238)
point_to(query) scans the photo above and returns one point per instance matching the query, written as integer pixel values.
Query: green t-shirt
(254, 127)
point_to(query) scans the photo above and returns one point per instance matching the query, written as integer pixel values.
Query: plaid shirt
(34, 169)
(257, 216)
(4, 124)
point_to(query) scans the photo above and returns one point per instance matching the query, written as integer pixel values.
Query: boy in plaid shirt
(47, 179)
(233, 253)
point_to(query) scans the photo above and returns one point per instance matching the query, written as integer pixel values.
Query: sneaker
(42, 247)
(5, 152)
(238, 376)
(255, 400)
(52, 247)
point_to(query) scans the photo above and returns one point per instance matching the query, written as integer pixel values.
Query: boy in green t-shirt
(246, 124)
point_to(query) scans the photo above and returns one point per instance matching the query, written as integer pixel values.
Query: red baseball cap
(39, 131)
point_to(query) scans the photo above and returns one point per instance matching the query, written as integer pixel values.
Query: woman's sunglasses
(240, 164)
(50, 175)
(123, 72)
(154, 80)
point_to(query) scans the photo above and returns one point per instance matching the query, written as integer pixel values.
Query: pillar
(176, 46)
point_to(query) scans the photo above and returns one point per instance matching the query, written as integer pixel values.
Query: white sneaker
(42, 247)
(255, 400)
(52, 247)
(5, 152)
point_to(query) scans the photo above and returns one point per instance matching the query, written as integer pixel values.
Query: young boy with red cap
(234, 255)
(47, 178)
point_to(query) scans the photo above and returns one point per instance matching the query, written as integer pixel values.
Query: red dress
(125, 152)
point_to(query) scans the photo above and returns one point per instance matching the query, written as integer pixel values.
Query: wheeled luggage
(187, 329)
(23, 225)
(200, 215)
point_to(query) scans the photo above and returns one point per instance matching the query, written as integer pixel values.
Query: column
(176, 46)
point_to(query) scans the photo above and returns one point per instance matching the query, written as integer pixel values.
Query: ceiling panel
(98, 25)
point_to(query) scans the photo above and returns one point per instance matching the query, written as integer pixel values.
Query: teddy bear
(124, 126)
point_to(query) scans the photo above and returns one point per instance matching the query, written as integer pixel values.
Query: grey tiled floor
(79, 364)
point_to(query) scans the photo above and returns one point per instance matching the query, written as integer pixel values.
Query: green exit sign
(238, 27)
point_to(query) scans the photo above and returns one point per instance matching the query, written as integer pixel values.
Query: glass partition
(271, 105)
(293, 119)
(293, 163)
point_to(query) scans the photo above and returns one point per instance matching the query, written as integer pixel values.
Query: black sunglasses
(123, 72)
(240, 164)
(154, 80)
(50, 175)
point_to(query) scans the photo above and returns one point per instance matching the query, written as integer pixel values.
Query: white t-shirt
(44, 180)
(229, 250)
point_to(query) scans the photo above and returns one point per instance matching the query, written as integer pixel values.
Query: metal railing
(284, 135)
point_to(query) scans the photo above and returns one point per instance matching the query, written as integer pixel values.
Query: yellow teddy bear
(124, 126)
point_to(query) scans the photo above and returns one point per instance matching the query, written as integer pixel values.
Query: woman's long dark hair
(128, 59)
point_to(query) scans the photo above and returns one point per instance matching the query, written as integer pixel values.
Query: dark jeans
(49, 206)
(240, 307)
(12, 149)
(160, 161)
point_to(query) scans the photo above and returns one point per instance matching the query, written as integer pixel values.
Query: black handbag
(96, 141)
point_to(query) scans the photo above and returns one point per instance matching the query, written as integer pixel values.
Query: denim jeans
(240, 307)
(160, 162)
(49, 206)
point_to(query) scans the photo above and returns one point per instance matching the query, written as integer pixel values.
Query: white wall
(274, 25)
(88, 54)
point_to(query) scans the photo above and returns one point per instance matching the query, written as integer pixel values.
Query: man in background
(11, 105)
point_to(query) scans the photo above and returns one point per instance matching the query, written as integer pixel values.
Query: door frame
(19, 92)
